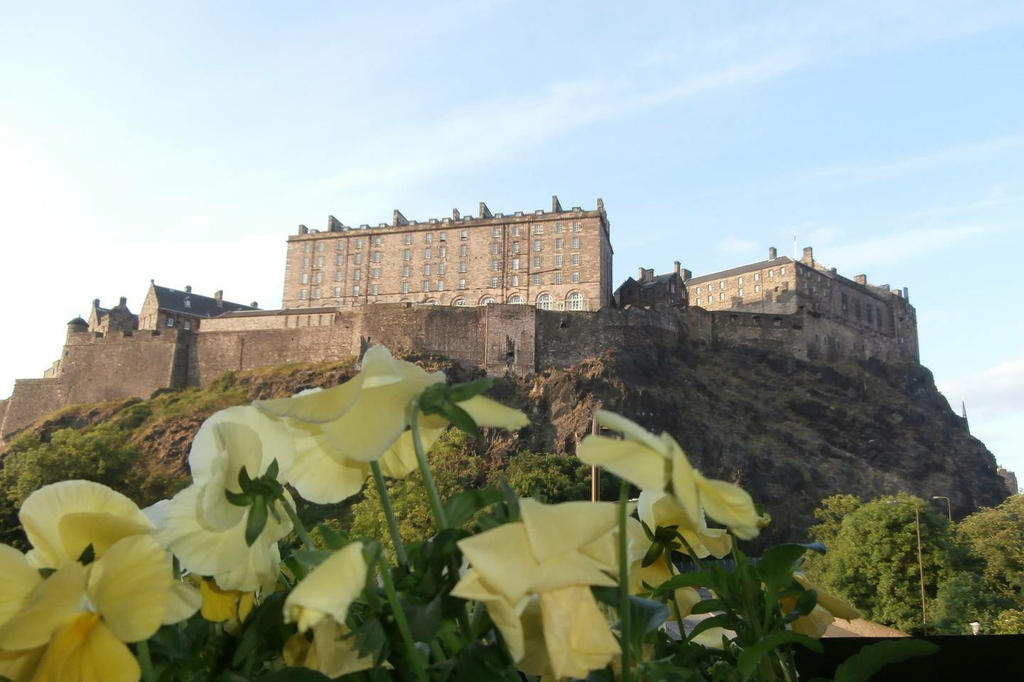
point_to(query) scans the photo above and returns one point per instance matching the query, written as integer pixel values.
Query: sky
(183, 142)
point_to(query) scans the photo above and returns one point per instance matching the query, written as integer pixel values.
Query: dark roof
(79, 322)
(781, 260)
(658, 279)
(188, 303)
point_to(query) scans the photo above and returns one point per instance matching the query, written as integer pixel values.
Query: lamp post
(949, 507)
(920, 566)
(595, 473)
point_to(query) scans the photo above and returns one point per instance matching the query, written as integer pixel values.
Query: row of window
(442, 252)
(535, 279)
(573, 301)
(739, 281)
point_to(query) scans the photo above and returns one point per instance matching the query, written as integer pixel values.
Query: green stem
(624, 625)
(389, 513)
(145, 662)
(675, 602)
(690, 551)
(428, 478)
(415, 660)
(299, 528)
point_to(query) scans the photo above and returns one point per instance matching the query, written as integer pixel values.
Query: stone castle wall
(497, 338)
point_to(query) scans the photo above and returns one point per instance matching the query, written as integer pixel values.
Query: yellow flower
(657, 462)
(74, 624)
(660, 509)
(62, 519)
(548, 559)
(643, 578)
(220, 605)
(827, 609)
(320, 603)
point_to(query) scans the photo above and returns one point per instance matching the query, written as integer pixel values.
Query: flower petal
(329, 589)
(487, 412)
(184, 600)
(317, 406)
(576, 633)
(631, 460)
(20, 666)
(630, 430)
(19, 579)
(400, 459)
(53, 603)
(554, 529)
(502, 558)
(86, 650)
(729, 504)
(684, 486)
(99, 529)
(324, 478)
(130, 587)
(42, 511)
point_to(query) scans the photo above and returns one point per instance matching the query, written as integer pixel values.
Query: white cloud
(899, 247)
(994, 391)
(735, 245)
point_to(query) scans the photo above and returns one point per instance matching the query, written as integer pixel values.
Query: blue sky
(161, 141)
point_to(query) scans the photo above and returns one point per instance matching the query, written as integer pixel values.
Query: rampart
(496, 338)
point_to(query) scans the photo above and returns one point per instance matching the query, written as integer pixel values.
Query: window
(486, 300)
(443, 236)
(698, 291)
(337, 292)
(426, 269)
(426, 285)
(721, 296)
(464, 234)
(440, 285)
(574, 301)
(698, 300)
(515, 299)
(355, 289)
(357, 275)
(538, 229)
(843, 301)
(375, 257)
(535, 278)
(440, 268)
(316, 293)
(319, 246)
(757, 276)
(536, 261)
(463, 250)
(462, 284)
(495, 231)
(426, 252)
(319, 261)
(339, 259)
(558, 278)
(515, 280)
(575, 259)
(339, 245)
(495, 265)
(405, 271)
(318, 277)
(536, 245)
(494, 282)
(576, 227)
(575, 277)
(405, 287)
(782, 271)
(374, 289)
(359, 259)
(337, 275)
(375, 273)
(575, 242)
(740, 293)
(757, 288)
(459, 302)
(544, 301)
(428, 237)
(721, 285)
(515, 231)
(515, 247)
(558, 261)
(739, 280)
(558, 243)
(305, 278)
(305, 262)
(377, 240)
(515, 263)
(406, 255)
(307, 247)
(407, 239)
(359, 243)
(558, 228)
(771, 274)
(462, 266)
(495, 247)
(442, 252)
(170, 320)
(302, 294)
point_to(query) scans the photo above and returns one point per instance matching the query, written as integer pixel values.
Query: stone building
(555, 260)
(653, 290)
(165, 308)
(782, 285)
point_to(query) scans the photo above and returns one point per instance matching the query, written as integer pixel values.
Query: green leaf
(461, 392)
(424, 619)
(295, 675)
(238, 499)
(707, 606)
(88, 555)
(724, 620)
(265, 630)
(311, 558)
(335, 539)
(653, 552)
(461, 507)
(692, 579)
(804, 604)
(272, 470)
(481, 661)
(752, 655)
(370, 638)
(777, 563)
(459, 417)
(243, 479)
(872, 658)
(257, 520)
(645, 616)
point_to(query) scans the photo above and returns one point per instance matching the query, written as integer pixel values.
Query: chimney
(772, 253)
(254, 304)
(906, 294)
(188, 288)
(303, 229)
(455, 214)
(555, 206)
(641, 272)
(861, 279)
(678, 266)
(95, 303)
(218, 296)
(398, 219)
(333, 224)
(808, 256)
(685, 274)
(484, 211)
(122, 302)
(600, 204)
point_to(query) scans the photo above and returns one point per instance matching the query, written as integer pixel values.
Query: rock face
(791, 432)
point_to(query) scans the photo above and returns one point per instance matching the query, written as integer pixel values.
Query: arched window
(544, 301)
(459, 302)
(487, 300)
(515, 298)
(574, 301)
(431, 301)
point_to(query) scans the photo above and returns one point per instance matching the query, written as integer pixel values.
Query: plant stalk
(297, 525)
(389, 513)
(428, 478)
(624, 624)
(145, 661)
(403, 625)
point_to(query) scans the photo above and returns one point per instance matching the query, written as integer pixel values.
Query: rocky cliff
(791, 432)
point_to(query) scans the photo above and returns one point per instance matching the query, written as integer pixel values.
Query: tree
(546, 476)
(996, 537)
(830, 515)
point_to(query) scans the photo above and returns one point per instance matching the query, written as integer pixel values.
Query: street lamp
(920, 565)
(949, 507)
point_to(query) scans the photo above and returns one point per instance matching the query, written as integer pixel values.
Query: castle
(506, 293)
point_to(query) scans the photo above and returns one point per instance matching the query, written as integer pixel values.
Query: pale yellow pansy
(332, 650)
(329, 589)
(657, 508)
(576, 634)
(224, 605)
(644, 578)
(828, 608)
(19, 579)
(222, 554)
(62, 519)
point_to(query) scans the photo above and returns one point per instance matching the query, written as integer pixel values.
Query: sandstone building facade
(555, 260)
